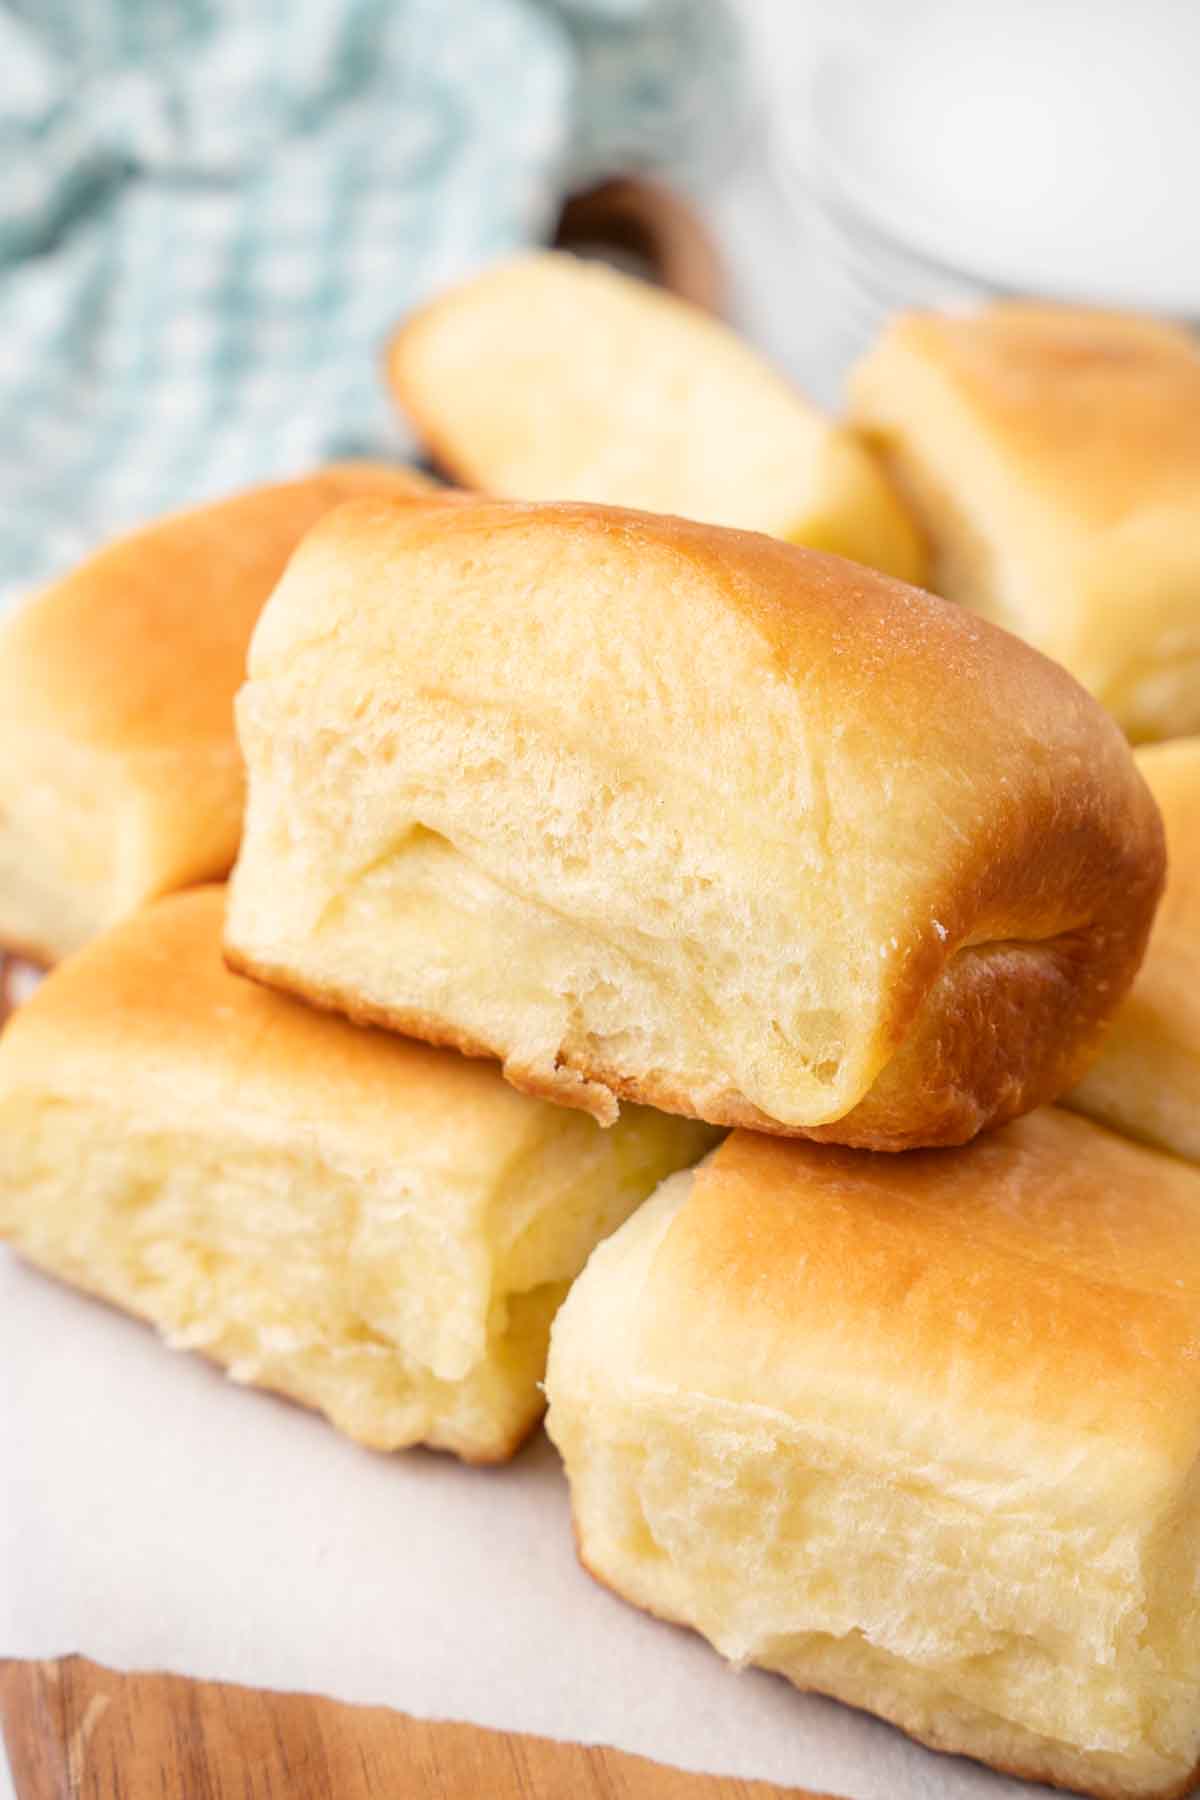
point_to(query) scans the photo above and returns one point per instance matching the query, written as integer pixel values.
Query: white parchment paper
(155, 1516)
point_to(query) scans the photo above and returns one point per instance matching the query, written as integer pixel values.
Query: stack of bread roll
(611, 809)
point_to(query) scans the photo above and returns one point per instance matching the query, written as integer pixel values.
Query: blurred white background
(930, 151)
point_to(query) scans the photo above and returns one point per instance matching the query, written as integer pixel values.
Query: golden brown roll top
(120, 776)
(656, 811)
(920, 1432)
(1052, 457)
(1043, 1278)
(552, 378)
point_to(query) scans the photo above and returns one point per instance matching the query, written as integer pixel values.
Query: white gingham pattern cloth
(213, 211)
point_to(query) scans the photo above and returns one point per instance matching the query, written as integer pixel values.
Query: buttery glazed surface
(919, 1432)
(1049, 1273)
(607, 389)
(657, 811)
(1052, 456)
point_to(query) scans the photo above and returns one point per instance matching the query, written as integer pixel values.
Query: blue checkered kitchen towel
(212, 212)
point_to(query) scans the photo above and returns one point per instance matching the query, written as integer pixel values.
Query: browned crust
(1023, 1771)
(187, 590)
(504, 1449)
(984, 1094)
(567, 1087)
(1042, 911)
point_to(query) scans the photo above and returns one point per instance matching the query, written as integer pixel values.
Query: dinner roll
(550, 378)
(1052, 455)
(381, 1230)
(119, 772)
(1147, 1079)
(655, 811)
(921, 1433)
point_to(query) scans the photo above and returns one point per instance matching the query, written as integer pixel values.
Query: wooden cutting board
(76, 1731)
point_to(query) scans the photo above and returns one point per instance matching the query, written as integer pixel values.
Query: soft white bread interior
(1052, 455)
(119, 771)
(1146, 1081)
(381, 1230)
(550, 378)
(656, 811)
(917, 1432)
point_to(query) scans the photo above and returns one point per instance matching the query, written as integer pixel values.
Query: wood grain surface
(76, 1731)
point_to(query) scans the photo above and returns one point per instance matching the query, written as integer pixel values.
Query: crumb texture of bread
(920, 1433)
(654, 811)
(1146, 1081)
(1052, 457)
(381, 1230)
(120, 777)
(552, 378)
